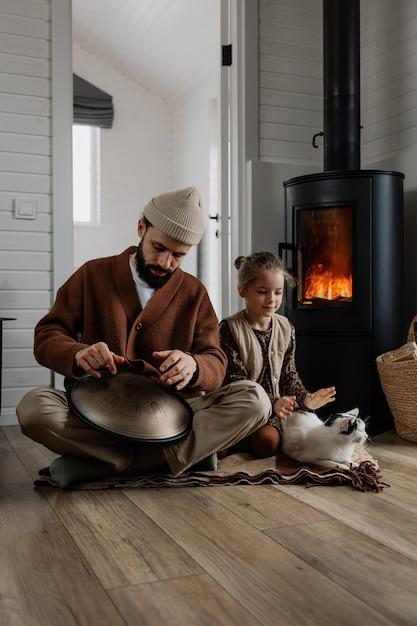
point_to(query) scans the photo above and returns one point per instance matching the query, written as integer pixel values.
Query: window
(85, 176)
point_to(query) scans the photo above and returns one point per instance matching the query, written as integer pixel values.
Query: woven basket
(399, 383)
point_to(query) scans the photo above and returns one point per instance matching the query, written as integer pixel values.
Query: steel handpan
(131, 406)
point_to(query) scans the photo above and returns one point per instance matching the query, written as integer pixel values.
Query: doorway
(166, 130)
(231, 189)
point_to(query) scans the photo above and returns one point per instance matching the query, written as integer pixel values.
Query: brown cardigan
(99, 302)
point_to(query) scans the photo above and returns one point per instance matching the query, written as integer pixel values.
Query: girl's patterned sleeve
(290, 382)
(235, 367)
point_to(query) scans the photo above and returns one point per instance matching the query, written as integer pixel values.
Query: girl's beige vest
(251, 352)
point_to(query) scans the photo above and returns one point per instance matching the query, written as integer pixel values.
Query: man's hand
(320, 398)
(96, 357)
(177, 367)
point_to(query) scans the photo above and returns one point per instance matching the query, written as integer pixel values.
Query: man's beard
(144, 270)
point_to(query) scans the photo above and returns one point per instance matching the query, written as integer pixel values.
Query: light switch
(25, 208)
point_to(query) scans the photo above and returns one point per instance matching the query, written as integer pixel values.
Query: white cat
(308, 439)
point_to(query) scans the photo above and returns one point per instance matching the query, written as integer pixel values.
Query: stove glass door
(324, 260)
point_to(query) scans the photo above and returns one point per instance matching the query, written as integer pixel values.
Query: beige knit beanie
(177, 214)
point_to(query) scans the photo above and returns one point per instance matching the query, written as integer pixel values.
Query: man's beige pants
(221, 419)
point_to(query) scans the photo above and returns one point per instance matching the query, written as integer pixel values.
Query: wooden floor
(242, 555)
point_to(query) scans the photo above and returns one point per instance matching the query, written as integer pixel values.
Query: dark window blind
(92, 106)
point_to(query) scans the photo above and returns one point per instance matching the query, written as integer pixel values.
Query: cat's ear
(354, 412)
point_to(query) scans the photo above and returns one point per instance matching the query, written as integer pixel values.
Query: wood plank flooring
(228, 556)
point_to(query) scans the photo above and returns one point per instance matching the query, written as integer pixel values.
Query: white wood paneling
(389, 111)
(25, 66)
(24, 45)
(27, 163)
(24, 261)
(290, 80)
(33, 145)
(26, 85)
(25, 171)
(7, 219)
(24, 104)
(25, 27)
(17, 338)
(38, 9)
(19, 281)
(18, 183)
(17, 300)
(24, 323)
(24, 377)
(28, 125)
(18, 358)
(33, 242)
(389, 78)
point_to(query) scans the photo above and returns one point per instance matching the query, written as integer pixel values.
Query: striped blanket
(244, 469)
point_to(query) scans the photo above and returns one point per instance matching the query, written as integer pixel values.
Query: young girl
(260, 345)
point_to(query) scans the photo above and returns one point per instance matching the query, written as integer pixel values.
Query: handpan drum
(131, 406)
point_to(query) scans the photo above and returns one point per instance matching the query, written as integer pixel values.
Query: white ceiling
(158, 44)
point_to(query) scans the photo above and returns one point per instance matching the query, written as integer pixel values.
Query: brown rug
(244, 469)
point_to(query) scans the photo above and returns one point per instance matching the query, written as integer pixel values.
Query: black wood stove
(344, 243)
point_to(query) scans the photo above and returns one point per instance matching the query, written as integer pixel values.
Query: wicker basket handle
(412, 334)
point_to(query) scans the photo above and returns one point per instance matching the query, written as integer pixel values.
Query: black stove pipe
(341, 66)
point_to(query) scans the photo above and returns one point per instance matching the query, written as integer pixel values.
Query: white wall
(25, 172)
(389, 112)
(135, 160)
(290, 80)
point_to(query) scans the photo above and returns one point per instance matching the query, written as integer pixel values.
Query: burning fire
(325, 285)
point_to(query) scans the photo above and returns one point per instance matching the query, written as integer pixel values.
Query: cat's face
(348, 425)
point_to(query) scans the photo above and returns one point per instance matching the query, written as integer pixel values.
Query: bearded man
(139, 312)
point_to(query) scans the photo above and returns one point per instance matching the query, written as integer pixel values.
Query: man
(139, 312)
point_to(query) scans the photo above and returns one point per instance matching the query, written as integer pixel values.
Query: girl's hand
(284, 406)
(320, 398)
